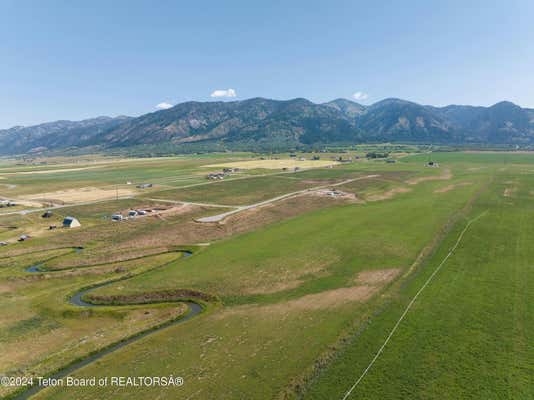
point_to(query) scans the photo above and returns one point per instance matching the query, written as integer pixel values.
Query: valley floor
(354, 271)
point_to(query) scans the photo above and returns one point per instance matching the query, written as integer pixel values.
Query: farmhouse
(71, 222)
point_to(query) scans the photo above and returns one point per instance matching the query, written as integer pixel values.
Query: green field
(298, 296)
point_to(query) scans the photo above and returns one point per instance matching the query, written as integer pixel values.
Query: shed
(71, 222)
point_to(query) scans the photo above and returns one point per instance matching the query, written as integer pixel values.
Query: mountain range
(260, 123)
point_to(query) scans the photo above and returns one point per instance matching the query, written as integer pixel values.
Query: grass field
(298, 295)
(275, 164)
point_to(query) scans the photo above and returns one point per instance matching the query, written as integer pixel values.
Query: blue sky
(75, 60)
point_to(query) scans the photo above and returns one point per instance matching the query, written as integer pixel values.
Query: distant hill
(263, 123)
(55, 135)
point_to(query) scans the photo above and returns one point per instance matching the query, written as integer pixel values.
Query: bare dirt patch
(275, 279)
(311, 302)
(387, 194)
(377, 277)
(336, 195)
(82, 195)
(329, 298)
(369, 283)
(448, 188)
(446, 175)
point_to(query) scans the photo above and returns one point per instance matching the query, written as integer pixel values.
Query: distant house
(71, 222)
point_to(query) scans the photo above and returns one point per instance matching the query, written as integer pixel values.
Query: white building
(71, 222)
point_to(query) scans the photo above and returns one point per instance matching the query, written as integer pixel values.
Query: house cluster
(216, 176)
(343, 160)
(68, 222)
(22, 238)
(220, 175)
(335, 193)
(130, 214)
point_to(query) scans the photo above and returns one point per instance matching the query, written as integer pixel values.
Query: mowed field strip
(408, 307)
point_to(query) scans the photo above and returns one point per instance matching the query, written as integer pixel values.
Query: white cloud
(224, 93)
(360, 96)
(164, 106)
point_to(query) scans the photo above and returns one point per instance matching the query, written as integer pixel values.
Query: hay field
(289, 163)
(83, 194)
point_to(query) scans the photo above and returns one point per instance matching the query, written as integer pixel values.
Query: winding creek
(77, 300)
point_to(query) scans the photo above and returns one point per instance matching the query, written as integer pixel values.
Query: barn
(71, 222)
